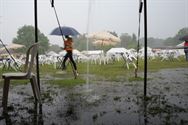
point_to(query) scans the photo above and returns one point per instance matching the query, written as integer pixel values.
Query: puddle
(108, 103)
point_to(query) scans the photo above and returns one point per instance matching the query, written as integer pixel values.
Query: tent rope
(17, 67)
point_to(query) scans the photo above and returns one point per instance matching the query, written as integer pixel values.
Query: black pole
(145, 50)
(36, 41)
(52, 4)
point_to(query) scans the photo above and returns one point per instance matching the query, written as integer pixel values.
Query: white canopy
(52, 53)
(181, 51)
(116, 51)
(93, 52)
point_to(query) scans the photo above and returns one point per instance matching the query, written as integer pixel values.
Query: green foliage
(175, 40)
(15, 82)
(128, 41)
(81, 42)
(112, 72)
(113, 33)
(55, 48)
(18, 82)
(109, 72)
(131, 79)
(26, 36)
(170, 41)
(182, 32)
(155, 42)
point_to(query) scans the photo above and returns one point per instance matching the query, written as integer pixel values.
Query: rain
(127, 62)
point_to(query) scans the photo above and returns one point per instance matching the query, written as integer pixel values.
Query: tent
(114, 51)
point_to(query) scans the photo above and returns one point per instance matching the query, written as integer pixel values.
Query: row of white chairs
(100, 59)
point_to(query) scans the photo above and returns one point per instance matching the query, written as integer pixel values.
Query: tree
(55, 48)
(128, 41)
(133, 43)
(80, 43)
(125, 38)
(134, 38)
(26, 36)
(113, 33)
(154, 42)
(175, 40)
(182, 32)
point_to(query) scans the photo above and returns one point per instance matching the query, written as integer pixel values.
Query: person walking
(68, 46)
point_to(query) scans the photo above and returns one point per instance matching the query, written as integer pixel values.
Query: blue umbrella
(65, 30)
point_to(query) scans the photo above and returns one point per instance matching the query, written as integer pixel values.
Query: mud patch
(103, 102)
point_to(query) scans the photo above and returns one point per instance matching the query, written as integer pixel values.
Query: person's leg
(72, 60)
(64, 60)
(186, 54)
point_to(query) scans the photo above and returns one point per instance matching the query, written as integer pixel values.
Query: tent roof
(117, 50)
(93, 52)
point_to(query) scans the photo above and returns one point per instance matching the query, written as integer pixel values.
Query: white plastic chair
(128, 59)
(26, 74)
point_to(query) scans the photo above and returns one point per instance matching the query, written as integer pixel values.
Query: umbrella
(104, 42)
(104, 38)
(184, 38)
(103, 35)
(11, 47)
(14, 46)
(65, 30)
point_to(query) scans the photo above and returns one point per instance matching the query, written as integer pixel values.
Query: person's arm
(64, 39)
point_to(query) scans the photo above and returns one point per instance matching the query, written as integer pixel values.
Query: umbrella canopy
(65, 31)
(104, 42)
(105, 36)
(11, 47)
(184, 38)
(14, 46)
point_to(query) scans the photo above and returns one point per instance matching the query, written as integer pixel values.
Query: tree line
(26, 36)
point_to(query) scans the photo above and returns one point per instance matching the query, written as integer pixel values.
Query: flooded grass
(131, 79)
(67, 82)
(114, 96)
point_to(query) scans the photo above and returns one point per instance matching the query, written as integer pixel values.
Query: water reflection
(145, 113)
(38, 115)
(7, 119)
(35, 115)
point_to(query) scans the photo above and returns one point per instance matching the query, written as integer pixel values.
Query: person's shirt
(68, 45)
(186, 46)
(186, 43)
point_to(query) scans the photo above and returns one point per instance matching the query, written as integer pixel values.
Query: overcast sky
(165, 17)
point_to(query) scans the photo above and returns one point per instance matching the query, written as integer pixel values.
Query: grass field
(113, 94)
(116, 71)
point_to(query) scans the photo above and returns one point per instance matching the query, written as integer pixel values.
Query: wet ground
(104, 102)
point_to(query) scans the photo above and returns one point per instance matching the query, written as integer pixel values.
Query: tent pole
(145, 45)
(36, 41)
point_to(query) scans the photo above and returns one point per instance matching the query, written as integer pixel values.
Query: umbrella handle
(63, 36)
(52, 3)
